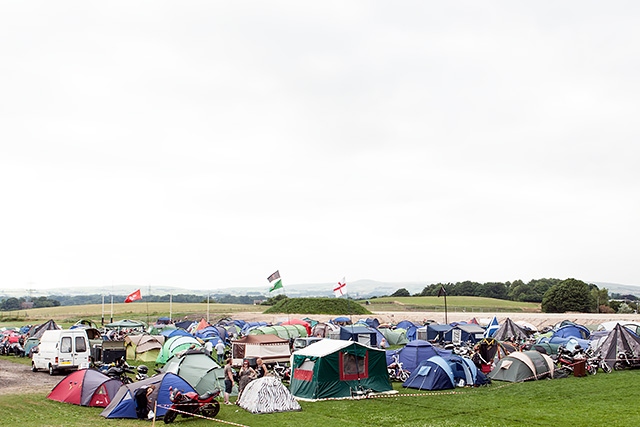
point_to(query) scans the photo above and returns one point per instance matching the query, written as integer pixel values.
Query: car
(299, 343)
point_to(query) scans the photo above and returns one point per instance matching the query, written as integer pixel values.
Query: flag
(341, 288)
(134, 296)
(274, 276)
(442, 291)
(275, 281)
(276, 285)
(492, 327)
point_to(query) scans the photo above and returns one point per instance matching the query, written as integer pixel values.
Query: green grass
(454, 303)
(601, 400)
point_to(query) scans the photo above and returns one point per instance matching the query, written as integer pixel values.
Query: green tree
(494, 290)
(402, 292)
(568, 295)
(11, 304)
(601, 297)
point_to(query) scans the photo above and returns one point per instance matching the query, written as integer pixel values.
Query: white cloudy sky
(207, 144)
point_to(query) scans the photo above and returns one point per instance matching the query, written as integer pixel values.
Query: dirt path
(16, 378)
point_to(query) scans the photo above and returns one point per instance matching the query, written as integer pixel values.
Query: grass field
(600, 400)
(454, 303)
(147, 312)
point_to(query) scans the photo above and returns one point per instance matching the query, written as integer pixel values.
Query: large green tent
(198, 369)
(175, 345)
(286, 332)
(396, 336)
(338, 369)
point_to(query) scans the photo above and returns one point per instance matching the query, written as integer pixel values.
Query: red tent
(86, 387)
(299, 322)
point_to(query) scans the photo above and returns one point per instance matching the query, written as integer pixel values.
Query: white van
(62, 350)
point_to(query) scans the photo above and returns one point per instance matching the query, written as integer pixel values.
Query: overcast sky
(208, 144)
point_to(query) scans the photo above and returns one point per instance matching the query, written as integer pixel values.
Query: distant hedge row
(337, 306)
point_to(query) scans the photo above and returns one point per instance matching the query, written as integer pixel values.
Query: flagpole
(148, 304)
(102, 310)
(446, 321)
(170, 306)
(111, 309)
(208, 295)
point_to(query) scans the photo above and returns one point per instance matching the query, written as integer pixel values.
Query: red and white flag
(135, 296)
(341, 288)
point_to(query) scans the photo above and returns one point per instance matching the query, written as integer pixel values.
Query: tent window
(65, 345)
(353, 367)
(424, 371)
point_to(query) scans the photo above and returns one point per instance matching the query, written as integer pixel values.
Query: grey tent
(509, 330)
(38, 330)
(619, 340)
(523, 366)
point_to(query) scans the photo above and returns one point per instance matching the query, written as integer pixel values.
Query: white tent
(266, 395)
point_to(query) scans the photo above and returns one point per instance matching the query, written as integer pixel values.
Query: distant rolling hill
(364, 288)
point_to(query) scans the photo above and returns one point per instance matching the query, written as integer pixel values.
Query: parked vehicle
(566, 360)
(626, 359)
(190, 403)
(62, 350)
(282, 371)
(299, 343)
(396, 371)
(142, 372)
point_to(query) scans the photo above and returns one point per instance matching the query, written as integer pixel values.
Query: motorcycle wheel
(210, 410)
(618, 366)
(605, 367)
(404, 376)
(170, 416)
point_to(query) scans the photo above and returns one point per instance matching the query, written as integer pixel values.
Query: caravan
(62, 350)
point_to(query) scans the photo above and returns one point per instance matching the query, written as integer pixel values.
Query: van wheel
(33, 367)
(51, 370)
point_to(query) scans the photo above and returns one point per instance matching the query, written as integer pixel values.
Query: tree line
(13, 304)
(554, 295)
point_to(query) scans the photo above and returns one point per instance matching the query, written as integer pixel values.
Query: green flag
(276, 285)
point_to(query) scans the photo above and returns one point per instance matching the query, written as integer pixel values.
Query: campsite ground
(17, 378)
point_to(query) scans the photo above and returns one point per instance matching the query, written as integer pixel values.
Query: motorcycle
(396, 371)
(191, 403)
(282, 371)
(626, 359)
(142, 372)
(567, 359)
(595, 361)
(119, 371)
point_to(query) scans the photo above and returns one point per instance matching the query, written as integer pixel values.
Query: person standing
(228, 381)
(245, 376)
(220, 347)
(208, 348)
(261, 368)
